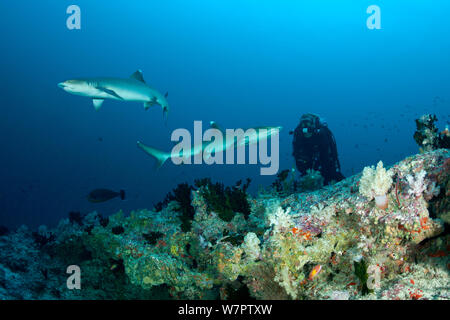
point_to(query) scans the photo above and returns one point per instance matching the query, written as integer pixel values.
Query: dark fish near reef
(3, 230)
(102, 195)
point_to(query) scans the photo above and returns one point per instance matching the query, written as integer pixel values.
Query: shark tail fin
(159, 155)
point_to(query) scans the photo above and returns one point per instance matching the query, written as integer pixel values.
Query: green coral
(311, 181)
(182, 195)
(225, 201)
(361, 273)
(427, 135)
(285, 183)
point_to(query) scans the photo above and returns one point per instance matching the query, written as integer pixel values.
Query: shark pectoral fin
(110, 92)
(97, 103)
(138, 76)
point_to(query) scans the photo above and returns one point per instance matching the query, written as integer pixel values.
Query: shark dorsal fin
(214, 125)
(138, 76)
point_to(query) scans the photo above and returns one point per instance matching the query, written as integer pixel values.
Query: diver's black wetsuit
(318, 152)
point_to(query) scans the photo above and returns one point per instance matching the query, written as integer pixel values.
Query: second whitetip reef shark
(133, 88)
(253, 137)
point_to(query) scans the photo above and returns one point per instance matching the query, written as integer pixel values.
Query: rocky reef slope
(334, 243)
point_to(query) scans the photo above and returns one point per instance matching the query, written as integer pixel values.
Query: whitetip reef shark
(133, 88)
(253, 137)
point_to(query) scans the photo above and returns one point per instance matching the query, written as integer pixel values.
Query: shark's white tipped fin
(138, 76)
(97, 103)
(214, 125)
(159, 155)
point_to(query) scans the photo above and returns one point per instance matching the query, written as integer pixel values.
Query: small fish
(102, 195)
(315, 271)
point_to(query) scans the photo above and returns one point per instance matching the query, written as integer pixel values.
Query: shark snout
(62, 85)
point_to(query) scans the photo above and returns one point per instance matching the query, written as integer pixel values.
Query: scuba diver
(314, 148)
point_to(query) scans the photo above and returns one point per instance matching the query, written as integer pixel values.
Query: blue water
(242, 63)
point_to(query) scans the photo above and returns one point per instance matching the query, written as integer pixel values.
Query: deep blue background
(242, 63)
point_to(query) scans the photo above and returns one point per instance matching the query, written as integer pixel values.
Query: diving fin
(97, 103)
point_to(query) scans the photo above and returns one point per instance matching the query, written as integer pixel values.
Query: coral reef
(427, 135)
(376, 184)
(182, 196)
(311, 181)
(211, 241)
(286, 182)
(225, 201)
